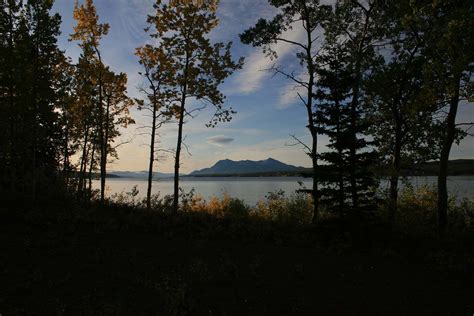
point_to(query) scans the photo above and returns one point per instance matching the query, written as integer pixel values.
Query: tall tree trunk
(396, 166)
(13, 116)
(184, 92)
(102, 144)
(152, 157)
(91, 167)
(310, 113)
(397, 113)
(103, 141)
(66, 155)
(103, 152)
(444, 159)
(353, 129)
(178, 153)
(341, 170)
(83, 166)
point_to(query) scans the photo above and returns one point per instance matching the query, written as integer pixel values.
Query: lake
(252, 189)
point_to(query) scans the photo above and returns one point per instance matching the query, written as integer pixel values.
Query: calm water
(253, 189)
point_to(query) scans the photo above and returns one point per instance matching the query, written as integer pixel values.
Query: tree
(332, 119)
(401, 116)
(450, 52)
(107, 93)
(356, 27)
(158, 77)
(84, 113)
(65, 86)
(309, 15)
(89, 31)
(198, 67)
(29, 55)
(116, 114)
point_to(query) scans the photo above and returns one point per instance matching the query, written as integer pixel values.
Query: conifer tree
(333, 120)
(355, 26)
(29, 56)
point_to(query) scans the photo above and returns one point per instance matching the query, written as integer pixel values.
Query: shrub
(218, 207)
(295, 209)
(417, 210)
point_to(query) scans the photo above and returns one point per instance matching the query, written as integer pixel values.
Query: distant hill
(455, 168)
(271, 168)
(245, 167)
(139, 174)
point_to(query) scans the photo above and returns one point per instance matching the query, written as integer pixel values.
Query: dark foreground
(157, 265)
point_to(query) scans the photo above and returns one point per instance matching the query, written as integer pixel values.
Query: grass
(64, 258)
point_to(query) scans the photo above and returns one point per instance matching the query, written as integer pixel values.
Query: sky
(267, 105)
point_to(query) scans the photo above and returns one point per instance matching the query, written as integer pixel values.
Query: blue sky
(268, 107)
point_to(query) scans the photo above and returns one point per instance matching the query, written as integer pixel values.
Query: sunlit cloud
(258, 65)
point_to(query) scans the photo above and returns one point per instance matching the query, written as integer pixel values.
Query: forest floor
(65, 267)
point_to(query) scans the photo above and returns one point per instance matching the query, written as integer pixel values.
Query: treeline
(62, 119)
(53, 109)
(382, 79)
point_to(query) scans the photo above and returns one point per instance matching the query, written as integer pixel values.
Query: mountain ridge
(227, 166)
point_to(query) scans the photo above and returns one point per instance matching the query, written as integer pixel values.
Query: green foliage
(30, 135)
(295, 209)
(418, 211)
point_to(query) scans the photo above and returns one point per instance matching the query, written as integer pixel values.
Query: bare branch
(302, 99)
(123, 143)
(190, 113)
(289, 76)
(186, 146)
(299, 142)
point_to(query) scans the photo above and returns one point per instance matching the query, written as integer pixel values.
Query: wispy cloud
(251, 78)
(289, 95)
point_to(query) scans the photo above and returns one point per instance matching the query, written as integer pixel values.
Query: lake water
(252, 190)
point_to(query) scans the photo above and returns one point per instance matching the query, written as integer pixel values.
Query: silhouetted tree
(307, 15)
(159, 95)
(333, 119)
(66, 88)
(401, 116)
(198, 66)
(29, 123)
(450, 51)
(355, 27)
(108, 92)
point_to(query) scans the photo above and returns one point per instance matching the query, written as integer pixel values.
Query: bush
(417, 210)
(219, 207)
(295, 209)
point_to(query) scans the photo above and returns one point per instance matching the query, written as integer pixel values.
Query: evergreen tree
(355, 27)
(333, 120)
(29, 57)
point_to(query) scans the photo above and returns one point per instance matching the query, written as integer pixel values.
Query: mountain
(139, 174)
(230, 167)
